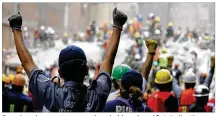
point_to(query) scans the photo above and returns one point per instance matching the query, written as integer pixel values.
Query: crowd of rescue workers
(156, 85)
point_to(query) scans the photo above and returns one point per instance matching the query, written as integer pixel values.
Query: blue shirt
(67, 98)
(119, 106)
(116, 106)
(16, 102)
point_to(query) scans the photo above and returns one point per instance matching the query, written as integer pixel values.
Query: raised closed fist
(151, 45)
(15, 21)
(212, 61)
(170, 60)
(119, 18)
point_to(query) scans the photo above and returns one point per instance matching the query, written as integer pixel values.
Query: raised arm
(119, 20)
(170, 62)
(211, 73)
(152, 46)
(27, 62)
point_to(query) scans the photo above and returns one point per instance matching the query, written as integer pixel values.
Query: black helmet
(201, 91)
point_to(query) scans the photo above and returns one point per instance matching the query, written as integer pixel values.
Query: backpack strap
(53, 78)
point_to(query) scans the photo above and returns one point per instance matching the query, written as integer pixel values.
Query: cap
(132, 78)
(71, 53)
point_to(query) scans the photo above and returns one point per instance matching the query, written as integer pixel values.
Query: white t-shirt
(113, 95)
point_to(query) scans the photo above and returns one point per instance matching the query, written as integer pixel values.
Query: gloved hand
(119, 18)
(212, 61)
(15, 21)
(170, 61)
(151, 45)
(148, 86)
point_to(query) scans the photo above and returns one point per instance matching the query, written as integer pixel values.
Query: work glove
(15, 21)
(151, 45)
(148, 86)
(212, 61)
(119, 18)
(170, 61)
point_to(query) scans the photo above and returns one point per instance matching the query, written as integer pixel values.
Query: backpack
(186, 100)
(156, 101)
(130, 105)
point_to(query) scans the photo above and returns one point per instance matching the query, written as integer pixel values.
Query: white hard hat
(47, 31)
(151, 15)
(49, 28)
(146, 34)
(81, 34)
(137, 56)
(25, 28)
(189, 77)
(157, 31)
(42, 27)
(52, 31)
(201, 91)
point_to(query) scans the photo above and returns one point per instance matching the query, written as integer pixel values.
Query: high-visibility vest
(186, 100)
(163, 61)
(157, 101)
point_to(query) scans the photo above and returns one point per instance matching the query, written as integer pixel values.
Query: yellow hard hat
(18, 80)
(157, 19)
(19, 69)
(65, 34)
(130, 22)
(163, 76)
(137, 34)
(164, 50)
(170, 24)
(3, 76)
(5, 79)
(11, 77)
(206, 37)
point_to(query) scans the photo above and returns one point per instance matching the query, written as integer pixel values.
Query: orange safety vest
(186, 100)
(157, 101)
